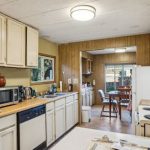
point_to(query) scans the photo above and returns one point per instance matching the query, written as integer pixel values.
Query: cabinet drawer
(7, 121)
(50, 106)
(60, 102)
(69, 99)
(76, 97)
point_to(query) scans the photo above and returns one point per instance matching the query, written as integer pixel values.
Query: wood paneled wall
(99, 62)
(69, 54)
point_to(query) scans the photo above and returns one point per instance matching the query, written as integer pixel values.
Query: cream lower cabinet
(8, 139)
(76, 114)
(87, 95)
(50, 123)
(71, 111)
(8, 133)
(2, 40)
(69, 115)
(91, 97)
(15, 43)
(32, 47)
(83, 99)
(60, 118)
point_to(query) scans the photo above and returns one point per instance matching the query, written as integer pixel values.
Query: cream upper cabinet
(2, 40)
(15, 43)
(32, 47)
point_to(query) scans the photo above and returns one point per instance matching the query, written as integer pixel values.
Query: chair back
(102, 95)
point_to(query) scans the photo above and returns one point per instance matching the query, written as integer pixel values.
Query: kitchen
(40, 50)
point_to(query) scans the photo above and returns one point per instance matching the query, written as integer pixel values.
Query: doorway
(107, 70)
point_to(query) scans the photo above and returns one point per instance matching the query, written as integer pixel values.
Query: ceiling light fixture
(83, 12)
(120, 50)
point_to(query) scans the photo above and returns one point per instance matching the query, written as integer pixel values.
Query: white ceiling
(52, 17)
(112, 50)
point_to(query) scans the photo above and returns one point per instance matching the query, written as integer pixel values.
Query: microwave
(9, 96)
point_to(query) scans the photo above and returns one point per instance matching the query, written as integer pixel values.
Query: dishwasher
(31, 129)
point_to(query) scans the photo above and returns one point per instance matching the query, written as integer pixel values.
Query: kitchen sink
(50, 96)
(60, 94)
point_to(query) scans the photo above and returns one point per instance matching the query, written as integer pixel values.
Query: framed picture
(45, 73)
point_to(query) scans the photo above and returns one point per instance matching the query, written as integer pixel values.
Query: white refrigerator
(140, 88)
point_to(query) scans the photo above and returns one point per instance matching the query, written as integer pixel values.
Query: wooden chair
(125, 100)
(105, 101)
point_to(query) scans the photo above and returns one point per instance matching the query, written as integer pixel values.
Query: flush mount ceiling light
(83, 12)
(120, 50)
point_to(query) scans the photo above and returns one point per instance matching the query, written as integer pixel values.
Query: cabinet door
(83, 100)
(50, 127)
(8, 139)
(76, 117)
(2, 40)
(15, 43)
(60, 121)
(87, 99)
(32, 47)
(91, 98)
(69, 115)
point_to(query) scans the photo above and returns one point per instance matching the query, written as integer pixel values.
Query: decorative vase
(2, 81)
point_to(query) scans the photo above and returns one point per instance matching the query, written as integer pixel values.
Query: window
(117, 75)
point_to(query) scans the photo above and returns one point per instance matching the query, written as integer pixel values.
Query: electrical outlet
(75, 81)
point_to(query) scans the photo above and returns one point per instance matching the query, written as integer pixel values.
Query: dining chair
(125, 101)
(105, 101)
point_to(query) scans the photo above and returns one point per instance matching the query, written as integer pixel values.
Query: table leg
(110, 106)
(120, 107)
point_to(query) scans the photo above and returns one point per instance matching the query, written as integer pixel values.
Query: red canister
(2, 81)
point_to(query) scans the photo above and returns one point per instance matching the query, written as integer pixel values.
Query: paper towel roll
(60, 86)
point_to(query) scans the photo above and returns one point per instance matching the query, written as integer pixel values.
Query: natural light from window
(117, 75)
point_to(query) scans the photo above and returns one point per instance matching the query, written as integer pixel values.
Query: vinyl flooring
(114, 124)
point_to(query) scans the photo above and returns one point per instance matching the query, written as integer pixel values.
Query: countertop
(80, 138)
(27, 104)
(66, 94)
(142, 113)
(31, 103)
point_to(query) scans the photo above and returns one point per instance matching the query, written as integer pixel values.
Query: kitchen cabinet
(87, 96)
(93, 98)
(32, 47)
(86, 66)
(71, 111)
(60, 119)
(91, 92)
(76, 114)
(15, 43)
(2, 40)
(8, 139)
(69, 115)
(8, 133)
(19, 42)
(50, 123)
(87, 60)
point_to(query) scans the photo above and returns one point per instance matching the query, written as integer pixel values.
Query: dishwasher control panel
(31, 113)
